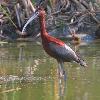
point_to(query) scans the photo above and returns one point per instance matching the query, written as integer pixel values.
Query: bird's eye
(37, 13)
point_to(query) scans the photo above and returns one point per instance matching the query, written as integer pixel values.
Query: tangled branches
(82, 15)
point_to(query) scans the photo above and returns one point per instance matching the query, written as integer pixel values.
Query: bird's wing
(63, 52)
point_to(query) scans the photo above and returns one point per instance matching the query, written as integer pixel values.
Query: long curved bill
(30, 20)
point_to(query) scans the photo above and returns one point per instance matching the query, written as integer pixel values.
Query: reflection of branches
(62, 79)
(21, 54)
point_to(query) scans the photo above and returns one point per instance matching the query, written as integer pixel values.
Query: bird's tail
(82, 62)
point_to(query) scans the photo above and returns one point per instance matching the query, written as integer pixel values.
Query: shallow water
(28, 73)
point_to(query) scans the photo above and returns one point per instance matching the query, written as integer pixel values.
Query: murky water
(28, 73)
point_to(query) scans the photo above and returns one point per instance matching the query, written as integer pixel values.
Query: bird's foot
(62, 74)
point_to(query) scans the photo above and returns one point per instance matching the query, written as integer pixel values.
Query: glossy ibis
(53, 46)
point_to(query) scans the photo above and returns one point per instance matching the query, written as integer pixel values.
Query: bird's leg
(61, 71)
(62, 78)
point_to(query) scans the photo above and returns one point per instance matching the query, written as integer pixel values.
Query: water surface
(28, 73)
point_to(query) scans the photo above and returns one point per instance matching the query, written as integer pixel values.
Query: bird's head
(38, 13)
(41, 12)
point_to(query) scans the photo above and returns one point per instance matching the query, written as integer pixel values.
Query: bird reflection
(62, 86)
(62, 83)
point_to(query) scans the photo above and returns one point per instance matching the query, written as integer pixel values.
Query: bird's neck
(43, 26)
(45, 36)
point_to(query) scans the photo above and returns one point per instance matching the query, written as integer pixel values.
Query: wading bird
(53, 46)
(76, 40)
(75, 37)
